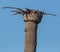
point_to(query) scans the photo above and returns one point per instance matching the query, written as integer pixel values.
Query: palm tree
(31, 18)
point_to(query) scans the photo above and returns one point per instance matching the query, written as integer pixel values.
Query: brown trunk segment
(31, 20)
(31, 37)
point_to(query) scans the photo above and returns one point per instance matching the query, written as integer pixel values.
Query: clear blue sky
(12, 33)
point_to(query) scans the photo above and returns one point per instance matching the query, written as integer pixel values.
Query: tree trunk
(31, 36)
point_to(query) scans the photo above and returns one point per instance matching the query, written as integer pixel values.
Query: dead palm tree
(31, 18)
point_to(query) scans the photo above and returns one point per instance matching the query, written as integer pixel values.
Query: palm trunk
(31, 37)
(31, 20)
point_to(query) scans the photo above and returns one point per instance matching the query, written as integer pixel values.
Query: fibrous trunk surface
(31, 37)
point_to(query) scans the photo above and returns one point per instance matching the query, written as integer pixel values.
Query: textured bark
(31, 37)
(31, 19)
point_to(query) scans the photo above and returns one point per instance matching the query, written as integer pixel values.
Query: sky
(12, 33)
